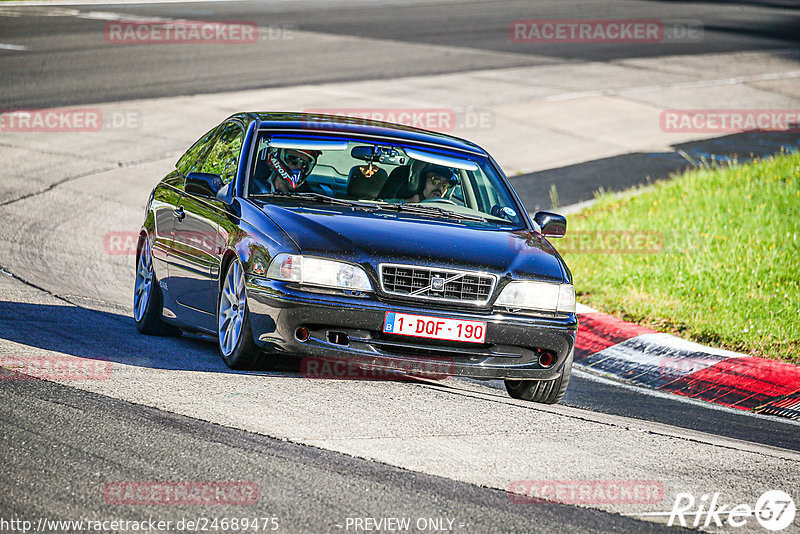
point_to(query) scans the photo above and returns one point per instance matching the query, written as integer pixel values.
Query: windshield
(388, 175)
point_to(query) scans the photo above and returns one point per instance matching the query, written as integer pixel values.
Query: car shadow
(102, 335)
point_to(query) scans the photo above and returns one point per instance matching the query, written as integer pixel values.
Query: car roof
(319, 123)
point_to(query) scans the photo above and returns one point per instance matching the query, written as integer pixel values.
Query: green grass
(728, 274)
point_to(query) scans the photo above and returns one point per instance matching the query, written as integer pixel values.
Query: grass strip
(712, 255)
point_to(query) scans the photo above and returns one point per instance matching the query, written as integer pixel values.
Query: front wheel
(236, 344)
(542, 391)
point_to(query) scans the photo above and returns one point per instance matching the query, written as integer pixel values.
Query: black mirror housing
(378, 154)
(551, 224)
(203, 184)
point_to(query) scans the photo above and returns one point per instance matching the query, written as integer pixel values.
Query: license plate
(407, 324)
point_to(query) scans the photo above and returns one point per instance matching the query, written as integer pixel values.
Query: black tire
(150, 322)
(245, 353)
(542, 391)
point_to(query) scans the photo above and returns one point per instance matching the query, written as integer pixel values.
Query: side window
(482, 189)
(223, 158)
(191, 160)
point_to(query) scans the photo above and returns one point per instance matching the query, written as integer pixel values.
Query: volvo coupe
(329, 237)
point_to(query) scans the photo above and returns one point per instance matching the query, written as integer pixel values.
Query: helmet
(292, 164)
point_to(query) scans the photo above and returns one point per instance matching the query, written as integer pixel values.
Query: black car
(328, 237)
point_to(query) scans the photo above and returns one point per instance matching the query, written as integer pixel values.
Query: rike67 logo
(774, 510)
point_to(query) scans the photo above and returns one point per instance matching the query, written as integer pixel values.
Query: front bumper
(350, 327)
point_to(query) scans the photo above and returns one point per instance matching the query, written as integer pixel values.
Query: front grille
(437, 284)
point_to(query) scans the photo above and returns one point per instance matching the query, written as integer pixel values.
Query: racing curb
(633, 353)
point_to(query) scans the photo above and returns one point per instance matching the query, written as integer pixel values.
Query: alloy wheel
(144, 282)
(232, 306)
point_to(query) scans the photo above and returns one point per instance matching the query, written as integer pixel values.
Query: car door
(169, 198)
(165, 200)
(197, 244)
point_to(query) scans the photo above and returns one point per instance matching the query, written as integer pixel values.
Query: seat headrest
(361, 186)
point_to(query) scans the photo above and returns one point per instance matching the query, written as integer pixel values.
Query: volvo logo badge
(437, 284)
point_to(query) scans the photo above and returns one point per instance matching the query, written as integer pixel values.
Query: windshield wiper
(318, 197)
(408, 208)
(433, 210)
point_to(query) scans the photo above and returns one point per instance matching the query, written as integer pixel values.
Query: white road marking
(107, 16)
(4, 46)
(583, 308)
(13, 10)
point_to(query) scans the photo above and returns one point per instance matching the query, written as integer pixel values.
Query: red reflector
(286, 268)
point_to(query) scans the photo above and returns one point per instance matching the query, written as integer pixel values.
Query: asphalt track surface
(404, 38)
(306, 488)
(62, 444)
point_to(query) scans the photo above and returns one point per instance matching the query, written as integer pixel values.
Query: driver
(288, 169)
(435, 181)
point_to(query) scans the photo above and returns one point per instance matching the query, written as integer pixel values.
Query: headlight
(538, 296)
(318, 272)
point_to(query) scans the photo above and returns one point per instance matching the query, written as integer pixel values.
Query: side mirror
(203, 184)
(551, 224)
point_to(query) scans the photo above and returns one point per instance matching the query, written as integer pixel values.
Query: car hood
(378, 236)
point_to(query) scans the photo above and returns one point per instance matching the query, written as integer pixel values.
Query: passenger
(435, 181)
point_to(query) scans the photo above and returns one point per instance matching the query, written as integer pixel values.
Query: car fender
(259, 240)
